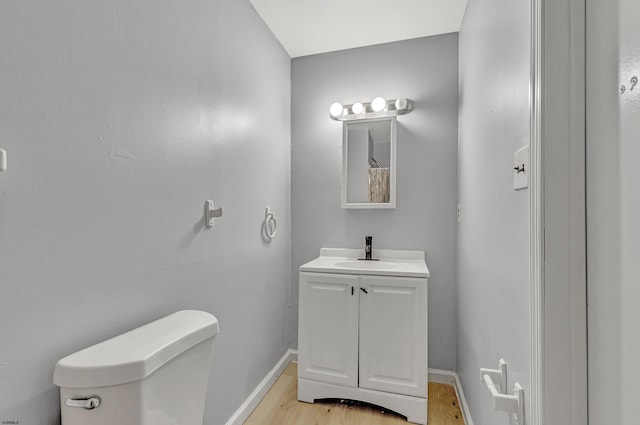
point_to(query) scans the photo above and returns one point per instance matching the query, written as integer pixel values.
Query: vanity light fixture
(336, 109)
(357, 108)
(377, 108)
(378, 104)
(401, 103)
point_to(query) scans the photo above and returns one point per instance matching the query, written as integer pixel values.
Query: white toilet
(156, 374)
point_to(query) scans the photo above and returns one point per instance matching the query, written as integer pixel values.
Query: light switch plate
(521, 168)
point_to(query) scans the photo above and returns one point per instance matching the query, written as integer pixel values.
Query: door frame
(558, 282)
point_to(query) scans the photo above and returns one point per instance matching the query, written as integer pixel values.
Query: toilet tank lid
(136, 354)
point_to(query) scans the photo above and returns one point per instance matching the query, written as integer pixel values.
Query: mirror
(369, 163)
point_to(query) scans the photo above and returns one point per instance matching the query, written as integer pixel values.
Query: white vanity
(362, 332)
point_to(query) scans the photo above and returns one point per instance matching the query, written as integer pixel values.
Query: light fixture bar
(393, 108)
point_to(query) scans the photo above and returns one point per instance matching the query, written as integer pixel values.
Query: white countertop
(391, 263)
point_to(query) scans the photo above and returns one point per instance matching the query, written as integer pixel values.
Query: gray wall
(424, 70)
(120, 119)
(493, 237)
(613, 208)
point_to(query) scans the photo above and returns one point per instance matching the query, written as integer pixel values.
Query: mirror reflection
(369, 162)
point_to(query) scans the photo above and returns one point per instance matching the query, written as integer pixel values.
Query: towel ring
(270, 224)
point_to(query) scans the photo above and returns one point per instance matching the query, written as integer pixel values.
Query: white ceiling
(307, 27)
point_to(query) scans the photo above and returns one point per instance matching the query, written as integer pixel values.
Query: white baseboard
(261, 390)
(451, 378)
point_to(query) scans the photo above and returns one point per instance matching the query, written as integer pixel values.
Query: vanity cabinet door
(328, 328)
(393, 335)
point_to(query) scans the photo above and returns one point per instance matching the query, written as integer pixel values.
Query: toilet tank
(156, 374)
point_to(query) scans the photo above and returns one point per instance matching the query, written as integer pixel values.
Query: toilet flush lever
(88, 403)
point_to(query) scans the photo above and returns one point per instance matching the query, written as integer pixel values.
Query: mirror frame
(392, 164)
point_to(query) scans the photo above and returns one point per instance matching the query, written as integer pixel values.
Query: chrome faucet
(367, 247)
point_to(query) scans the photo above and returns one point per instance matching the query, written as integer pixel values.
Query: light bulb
(401, 103)
(357, 108)
(378, 104)
(336, 109)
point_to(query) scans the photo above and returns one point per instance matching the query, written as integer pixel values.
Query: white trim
(534, 411)
(557, 256)
(451, 378)
(261, 390)
(558, 247)
(440, 376)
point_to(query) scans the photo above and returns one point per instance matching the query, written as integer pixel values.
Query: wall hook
(210, 213)
(498, 375)
(634, 82)
(496, 382)
(507, 403)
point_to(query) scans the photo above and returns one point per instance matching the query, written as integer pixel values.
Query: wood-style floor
(281, 407)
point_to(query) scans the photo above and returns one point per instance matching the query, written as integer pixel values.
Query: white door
(393, 335)
(328, 328)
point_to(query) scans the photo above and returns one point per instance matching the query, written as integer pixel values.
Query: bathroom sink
(391, 263)
(367, 265)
